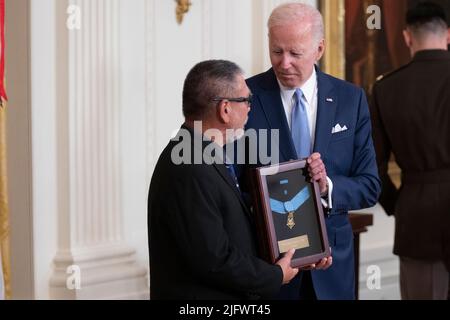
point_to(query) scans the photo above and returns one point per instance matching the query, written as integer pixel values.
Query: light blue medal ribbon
(289, 207)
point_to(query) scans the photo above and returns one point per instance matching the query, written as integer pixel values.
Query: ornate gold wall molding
(334, 61)
(182, 8)
(4, 213)
(334, 18)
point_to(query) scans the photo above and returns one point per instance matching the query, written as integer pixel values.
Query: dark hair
(427, 16)
(205, 81)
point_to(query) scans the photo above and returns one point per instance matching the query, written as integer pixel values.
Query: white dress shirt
(309, 98)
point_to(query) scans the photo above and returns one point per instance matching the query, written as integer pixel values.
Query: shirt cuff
(328, 203)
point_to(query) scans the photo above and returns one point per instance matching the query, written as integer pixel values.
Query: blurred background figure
(372, 52)
(411, 118)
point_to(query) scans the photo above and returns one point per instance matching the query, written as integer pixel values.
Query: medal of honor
(290, 222)
(289, 207)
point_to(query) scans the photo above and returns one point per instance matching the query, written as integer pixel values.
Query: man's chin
(237, 135)
(288, 81)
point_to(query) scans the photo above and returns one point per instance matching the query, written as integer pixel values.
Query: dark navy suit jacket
(349, 158)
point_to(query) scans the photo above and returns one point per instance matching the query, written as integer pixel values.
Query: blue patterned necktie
(300, 127)
(228, 164)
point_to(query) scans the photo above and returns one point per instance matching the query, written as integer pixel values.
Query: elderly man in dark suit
(411, 118)
(201, 239)
(325, 120)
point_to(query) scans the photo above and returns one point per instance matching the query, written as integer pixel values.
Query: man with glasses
(326, 121)
(201, 238)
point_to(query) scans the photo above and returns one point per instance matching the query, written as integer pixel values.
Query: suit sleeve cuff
(327, 200)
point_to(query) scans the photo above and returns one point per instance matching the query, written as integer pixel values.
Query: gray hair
(289, 13)
(205, 81)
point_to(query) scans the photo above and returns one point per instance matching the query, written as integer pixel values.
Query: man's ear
(407, 38)
(320, 50)
(223, 111)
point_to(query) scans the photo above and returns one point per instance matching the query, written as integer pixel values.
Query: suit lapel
(222, 170)
(327, 101)
(276, 117)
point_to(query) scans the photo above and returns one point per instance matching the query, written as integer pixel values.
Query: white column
(150, 84)
(90, 218)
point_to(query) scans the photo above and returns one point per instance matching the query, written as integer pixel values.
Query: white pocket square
(337, 128)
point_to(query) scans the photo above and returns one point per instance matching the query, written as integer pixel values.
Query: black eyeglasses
(248, 99)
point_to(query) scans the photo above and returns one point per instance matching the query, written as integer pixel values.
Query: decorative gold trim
(334, 19)
(4, 214)
(333, 63)
(182, 8)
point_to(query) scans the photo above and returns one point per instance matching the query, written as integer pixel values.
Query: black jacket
(201, 241)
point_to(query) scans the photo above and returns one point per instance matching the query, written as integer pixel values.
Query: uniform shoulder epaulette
(388, 74)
